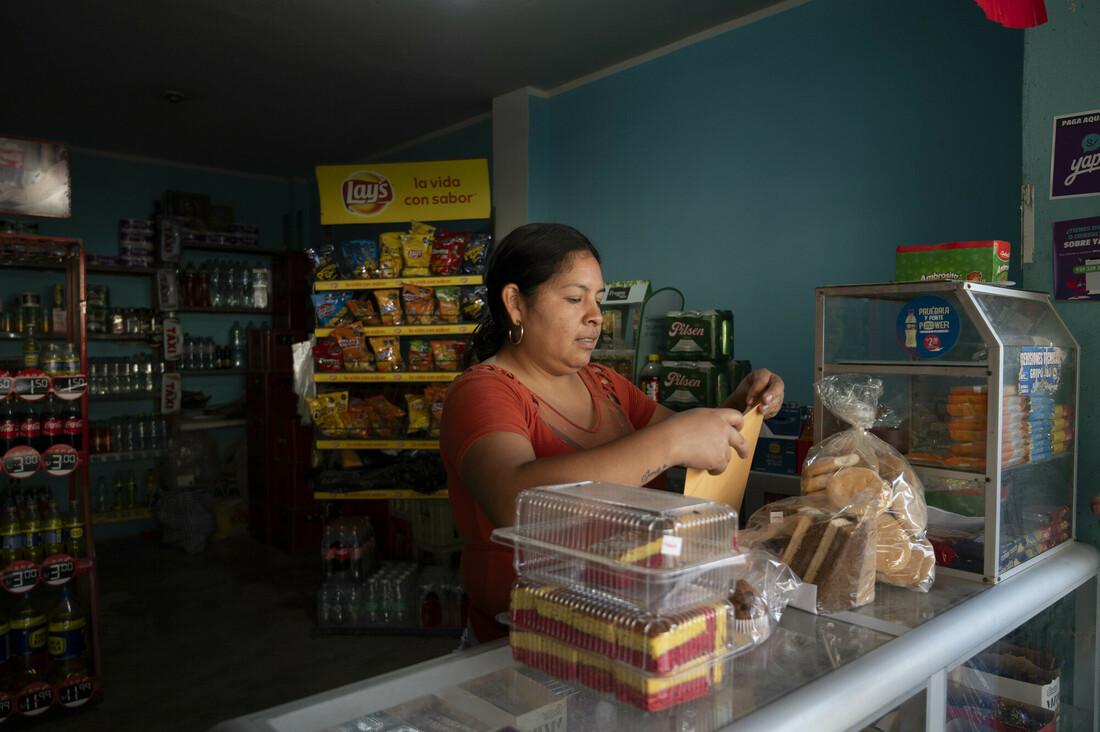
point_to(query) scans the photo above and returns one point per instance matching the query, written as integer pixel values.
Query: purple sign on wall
(1077, 259)
(1075, 155)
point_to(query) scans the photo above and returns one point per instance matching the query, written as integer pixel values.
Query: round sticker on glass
(928, 326)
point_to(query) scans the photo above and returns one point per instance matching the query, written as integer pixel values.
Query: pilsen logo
(1087, 163)
(690, 382)
(679, 328)
(366, 193)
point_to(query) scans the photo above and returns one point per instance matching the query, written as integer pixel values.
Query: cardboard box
(977, 261)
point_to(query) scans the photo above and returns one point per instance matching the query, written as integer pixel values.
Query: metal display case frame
(991, 370)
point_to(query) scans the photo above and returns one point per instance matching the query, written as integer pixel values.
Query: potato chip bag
(419, 413)
(390, 254)
(434, 394)
(419, 304)
(473, 302)
(447, 252)
(328, 356)
(476, 254)
(447, 353)
(358, 259)
(352, 343)
(417, 251)
(389, 306)
(364, 312)
(328, 411)
(323, 258)
(449, 310)
(331, 308)
(423, 229)
(420, 355)
(387, 353)
(386, 419)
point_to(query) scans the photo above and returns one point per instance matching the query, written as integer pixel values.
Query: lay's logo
(367, 193)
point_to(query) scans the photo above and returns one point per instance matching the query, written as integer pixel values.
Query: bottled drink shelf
(109, 269)
(443, 281)
(123, 516)
(123, 457)
(410, 330)
(224, 309)
(124, 396)
(195, 425)
(380, 495)
(231, 248)
(385, 376)
(187, 373)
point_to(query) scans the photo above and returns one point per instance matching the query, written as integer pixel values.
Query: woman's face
(562, 321)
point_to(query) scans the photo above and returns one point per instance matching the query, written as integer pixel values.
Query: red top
(487, 399)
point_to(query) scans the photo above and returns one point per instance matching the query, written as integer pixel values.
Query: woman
(535, 411)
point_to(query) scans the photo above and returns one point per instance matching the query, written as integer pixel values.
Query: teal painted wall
(795, 152)
(1060, 77)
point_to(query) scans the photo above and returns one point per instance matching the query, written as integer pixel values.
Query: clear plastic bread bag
(854, 462)
(831, 548)
(759, 597)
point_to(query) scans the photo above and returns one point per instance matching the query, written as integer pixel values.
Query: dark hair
(527, 257)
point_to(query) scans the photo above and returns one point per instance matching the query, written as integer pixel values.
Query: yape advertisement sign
(444, 190)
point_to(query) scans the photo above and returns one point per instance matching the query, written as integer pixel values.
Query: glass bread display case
(980, 388)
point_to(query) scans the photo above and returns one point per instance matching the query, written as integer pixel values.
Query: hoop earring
(512, 338)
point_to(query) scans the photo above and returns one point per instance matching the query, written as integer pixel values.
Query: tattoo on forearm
(651, 474)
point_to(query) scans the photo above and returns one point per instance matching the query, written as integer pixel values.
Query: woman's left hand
(759, 387)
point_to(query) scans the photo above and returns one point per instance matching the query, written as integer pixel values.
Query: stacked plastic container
(626, 590)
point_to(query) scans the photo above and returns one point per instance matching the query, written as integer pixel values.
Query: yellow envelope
(729, 487)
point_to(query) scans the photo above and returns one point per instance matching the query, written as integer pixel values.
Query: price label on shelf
(70, 388)
(6, 706)
(21, 462)
(75, 691)
(7, 385)
(20, 576)
(59, 460)
(33, 699)
(32, 385)
(57, 569)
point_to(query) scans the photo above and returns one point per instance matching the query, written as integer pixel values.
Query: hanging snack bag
(435, 394)
(359, 259)
(331, 308)
(386, 420)
(419, 413)
(473, 302)
(476, 254)
(829, 548)
(422, 229)
(419, 304)
(447, 251)
(353, 346)
(327, 355)
(447, 354)
(420, 355)
(323, 259)
(449, 305)
(387, 353)
(853, 465)
(389, 255)
(364, 312)
(416, 249)
(389, 306)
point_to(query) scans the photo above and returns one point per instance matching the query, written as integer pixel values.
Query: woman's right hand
(702, 438)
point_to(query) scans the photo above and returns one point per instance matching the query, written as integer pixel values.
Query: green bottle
(68, 638)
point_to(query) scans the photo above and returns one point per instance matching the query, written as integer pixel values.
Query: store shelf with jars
(393, 316)
(47, 556)
(980, 385)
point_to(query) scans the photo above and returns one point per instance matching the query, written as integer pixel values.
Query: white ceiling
(276, 86)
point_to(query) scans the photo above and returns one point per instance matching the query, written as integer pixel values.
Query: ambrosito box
(976, 261)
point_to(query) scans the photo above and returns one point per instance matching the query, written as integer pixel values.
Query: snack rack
(38, 692)
(983, 381)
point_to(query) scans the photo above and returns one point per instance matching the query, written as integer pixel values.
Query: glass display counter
(982, 383)
(848, 672)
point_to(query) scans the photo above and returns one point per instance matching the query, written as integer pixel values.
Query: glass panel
(1041, 676)
(905, 609)
(1023, 322)
(866, 330)
(906, 717)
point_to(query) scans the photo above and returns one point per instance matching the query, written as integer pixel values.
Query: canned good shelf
(123, 516)
(442, 281)
(122, 457)
(377, 444)
(196, 425)
(410, 330)
(386, 376)
(382, 495)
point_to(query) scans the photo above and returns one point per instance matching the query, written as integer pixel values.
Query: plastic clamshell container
(658, 551)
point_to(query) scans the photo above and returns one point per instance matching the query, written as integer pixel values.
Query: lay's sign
(445, 190)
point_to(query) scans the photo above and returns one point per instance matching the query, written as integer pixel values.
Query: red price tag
(60, 460)
(75, 691)
(33, 699)
(70, 387)
(20, 576)
(57, 569)
(21, 462)
(32, 384)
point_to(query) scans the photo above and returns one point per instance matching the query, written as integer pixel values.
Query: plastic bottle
(67, 638)
(52, 537)
(649, 379)
(5, 651)
(28, 641)
(11, 536)
(75, 542)
(131, 491)
(9, 425)
(52, 422)
(30, 427)
(217, 297)
(102, 496)
(32, 534)
(236, 344)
